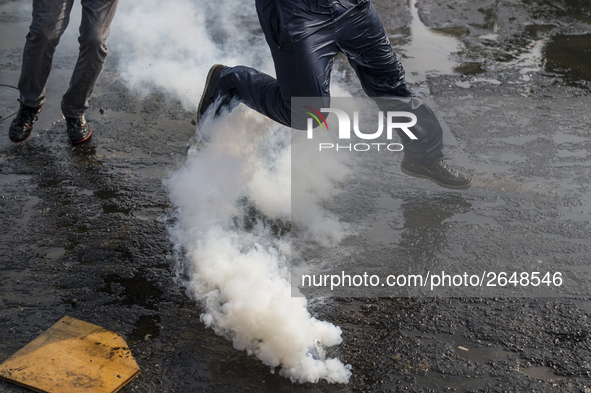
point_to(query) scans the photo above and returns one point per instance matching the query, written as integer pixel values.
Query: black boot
(212, 78)
(439, 172)
(22, 125)
(78, 129)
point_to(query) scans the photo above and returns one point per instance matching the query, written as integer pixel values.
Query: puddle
(433, 212)
(439, 382)
(489, 353)
(538, 31)
(106, 194)
(472, 217)
(72, 244)
(85, 155)
(136, 291)
(543, 373)
(111, 206)
(423, 221)
(425, 234)
(578, 9)
(519, 140)
(383, 230)
(357, 307)
(511, 158)
(114, 207)
(395, 218)
(491, 21)
(50, 253)
(492, 81)
(563, 138)
(426, 43)
(146, 328)
(456, 32)
(490, 37)
(49, 183)
(148, 217)
(6, 179)
(464, 84)
(28, 209)
(469, 68)
(570, 57)
(401, 236)
(562, 153)
(481, 355)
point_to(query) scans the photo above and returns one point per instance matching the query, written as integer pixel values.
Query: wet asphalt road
(83, 229)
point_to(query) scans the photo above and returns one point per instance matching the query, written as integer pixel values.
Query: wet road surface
(84, 228)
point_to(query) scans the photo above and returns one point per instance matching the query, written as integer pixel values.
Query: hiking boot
(439, 172)
(212, 78)
(22, 125)
(78, 129)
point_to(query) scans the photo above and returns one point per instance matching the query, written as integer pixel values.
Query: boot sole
(13, 141)
(83, 140)
(205, 89)
(439, 183)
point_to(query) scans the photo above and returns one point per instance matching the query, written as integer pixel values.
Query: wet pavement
(84, 228)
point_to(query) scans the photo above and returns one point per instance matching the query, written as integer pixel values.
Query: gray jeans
(50, 19)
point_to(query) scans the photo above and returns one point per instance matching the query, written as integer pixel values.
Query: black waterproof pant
(304, 37)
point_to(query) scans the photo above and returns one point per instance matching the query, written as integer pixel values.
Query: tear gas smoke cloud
(241, 276)
(172, 45)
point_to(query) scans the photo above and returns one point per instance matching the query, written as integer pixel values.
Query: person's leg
(97, 16)
(300, 73)
(302, 68)
(50, 19)
(362, 38)
(257, 90)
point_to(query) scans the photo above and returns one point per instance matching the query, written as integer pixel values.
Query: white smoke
(232, 187)
(241, 275)
(170, 45)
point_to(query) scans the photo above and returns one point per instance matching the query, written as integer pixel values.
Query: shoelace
(448, 168)
(28, 114)
(78, 122)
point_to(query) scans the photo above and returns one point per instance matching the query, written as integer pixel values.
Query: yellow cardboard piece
(72, 356)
